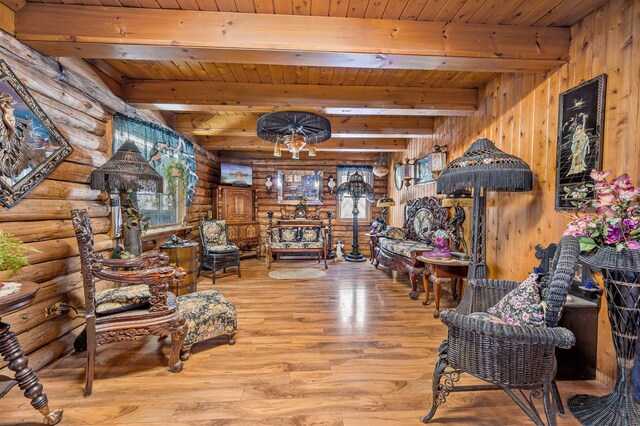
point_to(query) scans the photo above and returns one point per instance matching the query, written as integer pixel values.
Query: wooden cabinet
(239, 207)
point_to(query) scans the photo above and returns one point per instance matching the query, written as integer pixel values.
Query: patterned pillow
(288, 235)
(120, 299)
(486, 317)
(215, 232)
(396, 233)
(522, 305)
(310, 234)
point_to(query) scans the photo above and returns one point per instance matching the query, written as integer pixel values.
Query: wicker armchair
(511, 358)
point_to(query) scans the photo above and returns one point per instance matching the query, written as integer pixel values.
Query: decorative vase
(621, 278)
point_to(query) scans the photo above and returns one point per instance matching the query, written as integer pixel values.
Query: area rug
(297, 274)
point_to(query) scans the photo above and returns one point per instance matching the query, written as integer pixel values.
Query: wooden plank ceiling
(379, 83)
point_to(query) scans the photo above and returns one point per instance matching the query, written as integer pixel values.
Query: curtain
(159, 146)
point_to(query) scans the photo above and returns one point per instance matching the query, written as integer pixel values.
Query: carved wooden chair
(158, 315)
(513, 358)
(217, 251)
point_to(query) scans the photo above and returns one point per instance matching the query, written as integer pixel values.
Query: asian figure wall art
(30, 144)
(580, 130)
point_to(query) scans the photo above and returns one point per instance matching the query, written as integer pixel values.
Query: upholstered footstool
(208, 315)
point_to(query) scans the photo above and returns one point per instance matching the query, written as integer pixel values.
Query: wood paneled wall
(81, 106)
(519, 112)
(262, 167)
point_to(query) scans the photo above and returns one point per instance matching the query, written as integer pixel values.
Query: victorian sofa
(398, 248)
(297, 239)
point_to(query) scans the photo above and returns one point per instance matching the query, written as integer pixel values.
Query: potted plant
(608, 229)
(175, 174)
(13, 254)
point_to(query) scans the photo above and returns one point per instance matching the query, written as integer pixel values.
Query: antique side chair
(513, 358)
(217, 251)
(157, 316)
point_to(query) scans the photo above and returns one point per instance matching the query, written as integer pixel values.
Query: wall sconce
(269, 184)
(407, 172)
(438, 159)
(331, 184)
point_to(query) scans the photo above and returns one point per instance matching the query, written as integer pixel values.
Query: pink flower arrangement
(616, 221)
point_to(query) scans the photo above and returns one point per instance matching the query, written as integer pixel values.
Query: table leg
(425, 283)
(437, 284)
(27, 379)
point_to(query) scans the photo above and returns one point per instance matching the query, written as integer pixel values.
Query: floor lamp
(355, 187)
(385, 202)
(482, 168)
(128, 172)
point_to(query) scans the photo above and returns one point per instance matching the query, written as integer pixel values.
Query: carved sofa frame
(411, 265)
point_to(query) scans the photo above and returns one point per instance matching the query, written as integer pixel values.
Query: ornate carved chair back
(561, 273)
(213, 233)
(84, 234)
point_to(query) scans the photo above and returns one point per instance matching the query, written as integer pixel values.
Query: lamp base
(355, 257)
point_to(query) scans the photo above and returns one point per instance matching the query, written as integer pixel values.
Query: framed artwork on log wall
(30, 144)
(580, 130)
(296, 184)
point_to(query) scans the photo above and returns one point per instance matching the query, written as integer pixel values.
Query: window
(163, 148)
(345, 206)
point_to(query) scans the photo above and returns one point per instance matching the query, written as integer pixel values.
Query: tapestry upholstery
(297, 245)
(522, 305)
(214, 232)
(121, 299)
(221, 248)
(208, 315)
(288, 234)
(403, 247)
(310, 234)
(395, 233)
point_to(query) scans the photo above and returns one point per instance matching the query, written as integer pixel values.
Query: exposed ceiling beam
(215, 143)
(256, 97)
(14, 5)
(7, 19)
(341, 126)
(161, 34)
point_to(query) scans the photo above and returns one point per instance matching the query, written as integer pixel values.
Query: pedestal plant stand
(621, 277)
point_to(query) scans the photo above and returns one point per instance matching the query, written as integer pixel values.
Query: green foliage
(179, 180)
(13, 253)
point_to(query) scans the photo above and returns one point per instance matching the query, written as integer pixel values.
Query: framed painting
(580, 130)
(296, 184)
(423, 171)
(30, 144)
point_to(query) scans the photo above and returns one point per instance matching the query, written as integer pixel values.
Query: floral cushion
(522, 305)
(288, 234)
(221, 248)
(395, 233)
(214, 232)
(422, 223)
(208, 314)
(310, 234)
(298, 245)
(486, 317)
(403, 247)
(120, 299)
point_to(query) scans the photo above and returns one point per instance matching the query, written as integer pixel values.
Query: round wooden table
(10, 350)
(453, 269)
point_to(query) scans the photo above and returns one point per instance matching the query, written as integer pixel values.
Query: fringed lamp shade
(125, 171)
(483, 167)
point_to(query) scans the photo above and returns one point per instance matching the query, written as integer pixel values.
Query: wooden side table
(11, 350)
(440, 269)
(184, 256)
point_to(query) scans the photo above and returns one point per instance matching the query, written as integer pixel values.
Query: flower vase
(621, 278)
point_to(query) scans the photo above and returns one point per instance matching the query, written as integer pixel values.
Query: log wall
(81, 106)
(519, 112)
(263, 165)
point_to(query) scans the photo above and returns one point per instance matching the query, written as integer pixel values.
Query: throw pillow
(486, 317)
(522, 305)
(288, 235)
(396, 233)
(121, 299)
(310, 235)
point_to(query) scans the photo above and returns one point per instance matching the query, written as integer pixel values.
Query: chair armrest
(556, 336)
(147, 260)
(157, 279)
(481, 294)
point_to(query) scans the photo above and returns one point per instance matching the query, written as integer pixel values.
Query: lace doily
(9, 288)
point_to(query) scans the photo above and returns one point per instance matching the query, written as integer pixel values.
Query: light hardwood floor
(350, 349)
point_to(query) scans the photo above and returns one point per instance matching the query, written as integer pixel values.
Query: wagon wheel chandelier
(294, 130)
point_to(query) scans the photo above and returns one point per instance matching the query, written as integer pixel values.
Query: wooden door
(237, 204)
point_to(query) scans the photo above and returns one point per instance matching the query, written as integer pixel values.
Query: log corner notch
(90, 32)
